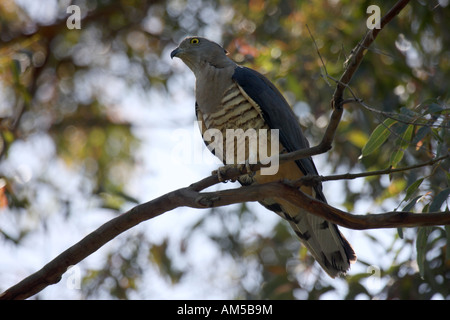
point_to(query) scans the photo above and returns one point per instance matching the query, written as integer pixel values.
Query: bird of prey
(230, 96)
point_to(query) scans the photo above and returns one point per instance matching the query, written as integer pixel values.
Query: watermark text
(373, 21)
(74, 20)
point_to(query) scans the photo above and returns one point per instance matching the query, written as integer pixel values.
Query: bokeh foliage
(53, 92)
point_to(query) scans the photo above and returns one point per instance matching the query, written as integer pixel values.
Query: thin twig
(311, 179)
(395, 116)
(320, 57)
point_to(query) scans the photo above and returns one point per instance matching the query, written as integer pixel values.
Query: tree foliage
(68, 96)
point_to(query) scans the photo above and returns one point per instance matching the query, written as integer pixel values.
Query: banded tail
(321, 237)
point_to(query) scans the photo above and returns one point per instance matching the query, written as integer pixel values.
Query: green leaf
(407, 208)
(434, 108)
(406, 137)
(402, 142)
(16, 70)
(412, 188)
(421, 245)
(420, 134)
(408, 112)
(439, 200)
(378, 136)
(396, 157)
(435, 133)
(411, 204)
(447, 252)
(400, 232)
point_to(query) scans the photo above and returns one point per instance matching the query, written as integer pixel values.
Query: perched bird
(229, 96)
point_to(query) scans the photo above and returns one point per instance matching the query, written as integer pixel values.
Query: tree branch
(349, 176)
(190, 196)
(286, 191)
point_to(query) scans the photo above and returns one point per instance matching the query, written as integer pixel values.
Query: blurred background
(96, 120)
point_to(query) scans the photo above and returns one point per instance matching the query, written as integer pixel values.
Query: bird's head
(196, 51)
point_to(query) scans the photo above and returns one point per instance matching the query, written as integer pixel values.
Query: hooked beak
(175, 52)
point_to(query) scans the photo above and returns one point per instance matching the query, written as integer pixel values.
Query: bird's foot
(248, 169)
(244, 168)
(221, 172)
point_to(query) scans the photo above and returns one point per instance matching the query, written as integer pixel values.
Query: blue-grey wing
(278, 115)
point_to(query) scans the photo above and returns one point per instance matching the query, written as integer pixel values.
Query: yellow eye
(194, 41)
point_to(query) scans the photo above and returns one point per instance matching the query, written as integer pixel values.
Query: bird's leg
(248, 168)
